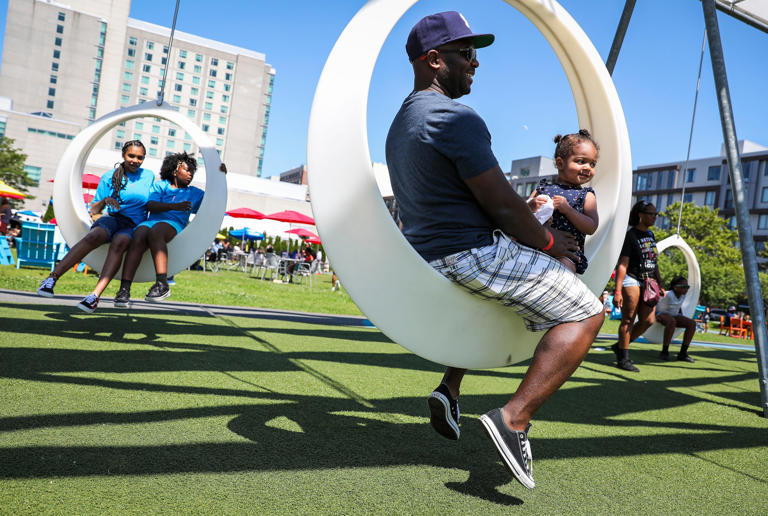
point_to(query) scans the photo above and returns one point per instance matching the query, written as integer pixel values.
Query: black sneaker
(685, 357)
(627, 365)
(123, 298)
(513, 446)
(157, 293)
(46, 287)
(444, 412)
(89, 303)
(664, 355)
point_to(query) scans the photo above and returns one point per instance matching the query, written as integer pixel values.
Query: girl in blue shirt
(171, 201)
(124, 192)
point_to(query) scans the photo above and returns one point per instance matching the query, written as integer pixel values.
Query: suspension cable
(690, 135)
(161, 92)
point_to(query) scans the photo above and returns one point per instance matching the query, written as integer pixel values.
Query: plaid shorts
(533, 284)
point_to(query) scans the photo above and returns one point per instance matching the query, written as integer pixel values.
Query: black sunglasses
(654, 213)
(469, 53)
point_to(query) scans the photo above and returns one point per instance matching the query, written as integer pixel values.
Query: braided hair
(119, 181)
(566, 143)
(171, 164)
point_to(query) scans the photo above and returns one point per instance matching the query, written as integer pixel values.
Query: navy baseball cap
(438, 29)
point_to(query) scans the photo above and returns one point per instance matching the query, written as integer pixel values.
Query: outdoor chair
(737, 328)
(257, 262)
(6, 256)
(271, 264)
(724, 329)
(36, 247)
(306, 270)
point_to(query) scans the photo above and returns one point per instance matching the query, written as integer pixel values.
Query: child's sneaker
(89, 304)
(46, 287)
(123, 298)
(157, 292)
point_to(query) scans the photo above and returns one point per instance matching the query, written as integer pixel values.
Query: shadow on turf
(348, 431)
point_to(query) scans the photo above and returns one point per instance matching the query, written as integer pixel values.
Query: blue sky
(520, 89)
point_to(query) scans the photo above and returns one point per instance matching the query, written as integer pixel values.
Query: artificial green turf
(152, 412)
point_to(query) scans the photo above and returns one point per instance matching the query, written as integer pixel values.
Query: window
(688, 197)
(131, 52)
(49, 104)
(163, 60)
(156, 129)
(197, 69)
(728, 200)
(127, 87)
(146, 68)
(195, 79)
(57, 42)
(211, 84)
(762, 222)
(690, 175)
(644, 181)
(227, 76)
(709, 199)
(214, 61)
(230, 65)
(154, 140)
(182, 54)
(208, 105)
(52, 92)
(220, 143)
(53, 79)
(128, 76)
(62, 16)
(170, 144)
(59, 29)
(732, 222)
(54, 67)
(193, 102)
(171, 132)
(194, 92)
(147, 56)
(57, 54)
(33, 173)
(191, 113)
(136, 136)
(139, 126)
(120, 133)
(222, 120)
(224, 109)
(227, 87)
(187, 147)
(179, 76)
(150, 45)
(199, 58)
(177, 87)
(132, 41)
(153, 152)
(206, 127)
(181, 65)
(225, 98)
(144, 80)
(128, 64)
(206, 117)
(220, 131)
(125, 99)
(209, 94)
(212, 73)
(165, 49)
(177, 99)
(713, 173)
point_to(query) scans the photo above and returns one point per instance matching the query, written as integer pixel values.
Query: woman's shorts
(175, 225)
(115, 224)
(534, 285)
(629, 281)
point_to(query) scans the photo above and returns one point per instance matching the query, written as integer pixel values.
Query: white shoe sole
(44, 293)
(85, 308)
(505, 454)
(156, 299)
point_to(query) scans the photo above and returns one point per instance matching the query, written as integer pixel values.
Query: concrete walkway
(14, 297)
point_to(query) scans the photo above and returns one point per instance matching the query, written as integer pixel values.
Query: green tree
(12, 166)
(716, 247)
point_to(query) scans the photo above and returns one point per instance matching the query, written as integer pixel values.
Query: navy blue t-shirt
(433, 145)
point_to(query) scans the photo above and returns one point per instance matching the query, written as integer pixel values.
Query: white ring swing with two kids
(73, 218)
(398, 291)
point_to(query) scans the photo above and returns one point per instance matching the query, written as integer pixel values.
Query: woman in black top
(637, 261)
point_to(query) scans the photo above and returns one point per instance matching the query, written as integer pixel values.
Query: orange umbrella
(8, 191)
(290, 216)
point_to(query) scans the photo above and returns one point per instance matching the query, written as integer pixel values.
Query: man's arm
(511, 214)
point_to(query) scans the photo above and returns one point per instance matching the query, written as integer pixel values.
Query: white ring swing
(73, 218)
(401, 294)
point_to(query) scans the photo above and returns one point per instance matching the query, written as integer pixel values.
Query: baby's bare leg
(568, 264)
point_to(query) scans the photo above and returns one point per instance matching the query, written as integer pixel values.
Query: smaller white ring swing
(72, 215)
(401, 294)
(655, 333)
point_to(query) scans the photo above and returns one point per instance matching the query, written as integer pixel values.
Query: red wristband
(551, 242)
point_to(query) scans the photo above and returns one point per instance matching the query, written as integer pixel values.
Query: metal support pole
(618, 39)
(748, 254)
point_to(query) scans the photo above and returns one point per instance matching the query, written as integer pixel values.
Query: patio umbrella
(220, 236)
(291, 216)
(245, 213)
(89, 181)
(314, 240)
(304, 233)
(7, 190)
(87, 198)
